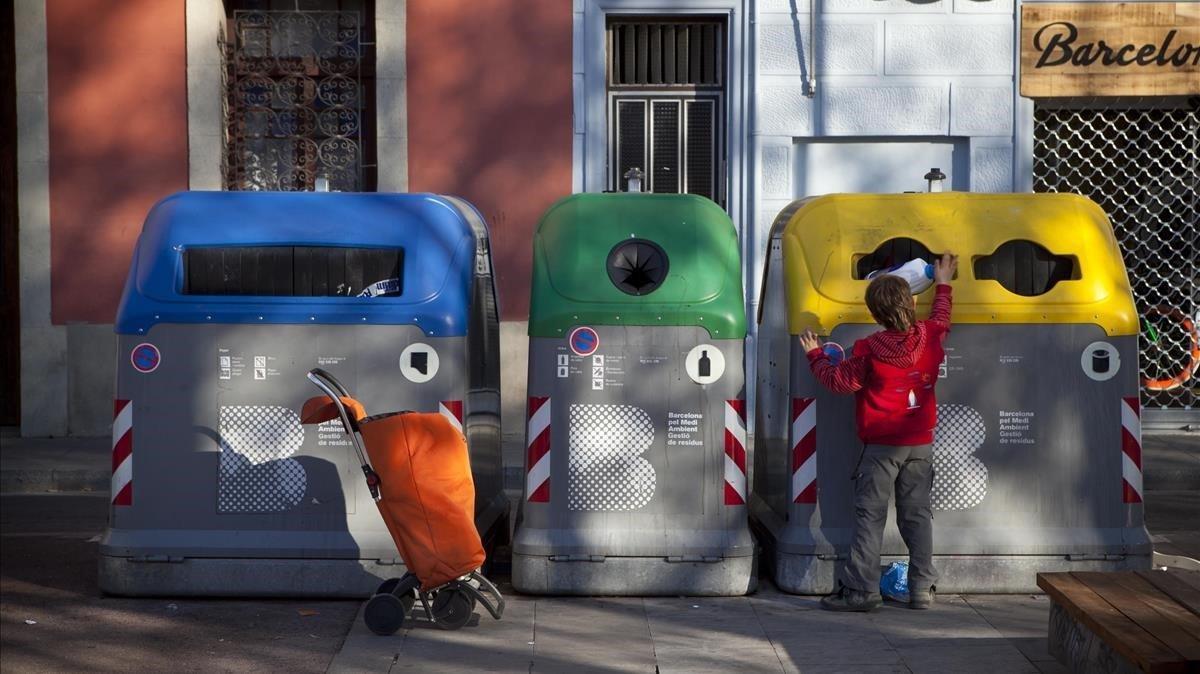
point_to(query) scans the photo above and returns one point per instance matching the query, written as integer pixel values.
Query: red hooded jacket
(892, 376)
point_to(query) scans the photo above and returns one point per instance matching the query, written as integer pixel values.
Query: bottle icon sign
(704, 364)
(1100, 361)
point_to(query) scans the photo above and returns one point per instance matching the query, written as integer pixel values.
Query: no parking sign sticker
(145, 358)
(583, 341)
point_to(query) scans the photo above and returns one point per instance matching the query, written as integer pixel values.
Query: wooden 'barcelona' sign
(1110, 49)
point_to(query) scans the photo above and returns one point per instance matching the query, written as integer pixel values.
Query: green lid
(636, 259)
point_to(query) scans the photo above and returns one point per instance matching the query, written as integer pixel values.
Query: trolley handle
(334, 390)
(329, 379)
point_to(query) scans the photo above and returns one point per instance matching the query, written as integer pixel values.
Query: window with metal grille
(299, 95)
(666, 91)
(1140, 160)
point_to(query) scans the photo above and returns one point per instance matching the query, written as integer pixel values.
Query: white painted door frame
(591, 153)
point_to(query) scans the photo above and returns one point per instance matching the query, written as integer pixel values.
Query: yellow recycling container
(1037, 451)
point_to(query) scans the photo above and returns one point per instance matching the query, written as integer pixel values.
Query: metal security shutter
(1140, 160)
(664, 172)
(631, 139)
(701, 147)
(666, 80)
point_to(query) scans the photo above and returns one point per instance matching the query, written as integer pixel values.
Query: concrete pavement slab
(1022, 619)
(702, 634)
(483, 644)
(32, 465)
(815, 637)
(952, 622)
(603, 634)
(767, 632)
(48, 572)
(977, 656)
(1050, 667)
(1171, 461)
(855, 669)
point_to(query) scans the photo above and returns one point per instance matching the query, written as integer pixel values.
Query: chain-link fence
(1140, 160)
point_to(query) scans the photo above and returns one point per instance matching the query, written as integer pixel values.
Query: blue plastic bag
(894, 582)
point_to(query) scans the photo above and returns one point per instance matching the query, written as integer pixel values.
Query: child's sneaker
(846, 599)
(921, 599)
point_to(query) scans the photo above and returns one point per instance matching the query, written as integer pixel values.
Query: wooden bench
(1125, 621)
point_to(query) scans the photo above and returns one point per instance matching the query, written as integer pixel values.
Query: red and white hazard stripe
(537, 461)
(804, 450)
(122, 453)
(453, 411)
(735, 452)
(1131, 450)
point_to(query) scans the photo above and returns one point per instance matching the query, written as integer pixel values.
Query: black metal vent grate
(665, 172)
(701, 146)
(631, 139)
(664, 54)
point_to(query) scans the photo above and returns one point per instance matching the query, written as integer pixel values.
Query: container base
(974, 574)
(218, 577)
(635, 576)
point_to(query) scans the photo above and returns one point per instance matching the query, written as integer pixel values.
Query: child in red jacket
(892, 375)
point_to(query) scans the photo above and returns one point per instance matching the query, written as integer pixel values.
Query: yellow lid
(825, 237)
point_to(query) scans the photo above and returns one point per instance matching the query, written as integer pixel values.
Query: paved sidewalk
(766, 632)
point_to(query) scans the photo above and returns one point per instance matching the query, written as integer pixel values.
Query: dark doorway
(10, 292)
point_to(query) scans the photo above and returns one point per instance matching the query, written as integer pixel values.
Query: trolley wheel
(390, 585)
(387, 586)
(452, 609)
(384, 614)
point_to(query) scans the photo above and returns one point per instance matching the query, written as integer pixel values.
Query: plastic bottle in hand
(918, 273)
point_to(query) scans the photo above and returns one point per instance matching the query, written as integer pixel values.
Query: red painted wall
(117, 102)
(489, 118)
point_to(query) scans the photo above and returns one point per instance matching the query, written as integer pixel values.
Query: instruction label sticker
(230, 365)
(597, 372)
(145, 358)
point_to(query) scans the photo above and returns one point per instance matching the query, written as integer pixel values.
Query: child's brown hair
(891, 303)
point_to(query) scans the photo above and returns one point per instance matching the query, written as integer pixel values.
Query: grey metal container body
(232, 496)
(637, 471)
(1027, 457)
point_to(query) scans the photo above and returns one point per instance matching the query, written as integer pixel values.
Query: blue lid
(438, 258)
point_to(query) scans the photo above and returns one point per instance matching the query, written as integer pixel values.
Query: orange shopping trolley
(419, 473)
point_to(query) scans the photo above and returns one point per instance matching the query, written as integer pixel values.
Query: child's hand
(809, 341)
(945, 267)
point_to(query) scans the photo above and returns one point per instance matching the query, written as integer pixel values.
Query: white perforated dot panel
(255, 474)
(605, 445)
(959, 478)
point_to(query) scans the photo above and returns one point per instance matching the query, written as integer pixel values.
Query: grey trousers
(909, 470)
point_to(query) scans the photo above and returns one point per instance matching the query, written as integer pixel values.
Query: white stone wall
(885, 69)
